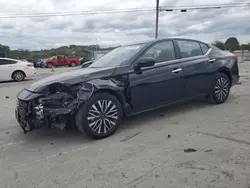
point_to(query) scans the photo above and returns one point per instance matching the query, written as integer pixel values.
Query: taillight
(30, 65)
(235, 57)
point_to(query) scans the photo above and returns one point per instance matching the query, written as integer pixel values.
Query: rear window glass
(7, 61)
(189, 48)
(204, 48)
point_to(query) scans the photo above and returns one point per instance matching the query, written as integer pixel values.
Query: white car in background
(15, 69)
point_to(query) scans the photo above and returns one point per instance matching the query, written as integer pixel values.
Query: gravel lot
(146, 151)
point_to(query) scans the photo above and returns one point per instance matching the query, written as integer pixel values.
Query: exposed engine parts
(56, 107)
(39, 111)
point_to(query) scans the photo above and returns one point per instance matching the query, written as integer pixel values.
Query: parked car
(40, 63)
(87, 64)
(83, 60)
(126, 81)
(62, 61)
(14, 69)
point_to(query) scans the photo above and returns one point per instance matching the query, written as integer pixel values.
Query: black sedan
(126, 81)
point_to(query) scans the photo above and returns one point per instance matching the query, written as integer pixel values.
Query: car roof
(162, 39)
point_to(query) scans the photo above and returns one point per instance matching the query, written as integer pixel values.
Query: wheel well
(111, 92)
(227, 73)
(18, 71)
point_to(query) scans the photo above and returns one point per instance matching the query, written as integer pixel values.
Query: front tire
(49, 65)
(100, 116)
(221, 89)
(18, 76)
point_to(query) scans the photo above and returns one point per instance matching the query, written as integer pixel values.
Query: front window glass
(118, 56)
(161, 52)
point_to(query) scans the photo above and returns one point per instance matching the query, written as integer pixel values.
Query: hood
(70, 78)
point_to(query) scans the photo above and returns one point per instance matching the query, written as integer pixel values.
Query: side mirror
(145, 62)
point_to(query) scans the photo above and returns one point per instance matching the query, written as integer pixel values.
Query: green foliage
(219, 45)
(245, 47)
(4, 48)
(71, 50)
(87, 51)
(232, 44)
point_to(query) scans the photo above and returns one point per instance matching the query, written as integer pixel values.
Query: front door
(60, 60)
(160, 84)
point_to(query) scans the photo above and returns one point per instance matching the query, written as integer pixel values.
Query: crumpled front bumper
(54, 109)
(21, 116)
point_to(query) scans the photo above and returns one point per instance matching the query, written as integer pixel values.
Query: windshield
(118, 56)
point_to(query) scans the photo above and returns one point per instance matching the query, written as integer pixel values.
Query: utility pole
(157, 19)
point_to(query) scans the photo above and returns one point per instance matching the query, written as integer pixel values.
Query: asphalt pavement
(193, 145)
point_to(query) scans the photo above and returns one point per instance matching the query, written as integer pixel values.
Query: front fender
(116, 86)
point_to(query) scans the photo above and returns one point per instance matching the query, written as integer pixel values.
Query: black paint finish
(150, 87)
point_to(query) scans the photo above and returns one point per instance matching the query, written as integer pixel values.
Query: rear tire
(221, 89)
(73, 64)
(18, 76)
(100, 116)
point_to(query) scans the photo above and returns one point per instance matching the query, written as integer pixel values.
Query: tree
(219, 44)
(232, 44)
(71, 50)
(245, 47)
(4, 50)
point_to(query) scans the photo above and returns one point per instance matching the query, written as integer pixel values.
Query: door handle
(177, 70)
(211, 60)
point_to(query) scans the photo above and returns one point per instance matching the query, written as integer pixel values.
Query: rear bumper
(235, 79)
(30, 72)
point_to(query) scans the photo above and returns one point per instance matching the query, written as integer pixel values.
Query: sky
(113, 29)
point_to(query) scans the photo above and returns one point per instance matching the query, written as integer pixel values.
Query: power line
(184, 9)
(115, 11)
(208, 5)
(74, 13)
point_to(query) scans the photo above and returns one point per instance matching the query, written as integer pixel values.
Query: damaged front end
(54, 106)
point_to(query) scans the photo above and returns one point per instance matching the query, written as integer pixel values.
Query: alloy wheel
(102, 116)
(19, 76)
(222, 89)
(49, 65)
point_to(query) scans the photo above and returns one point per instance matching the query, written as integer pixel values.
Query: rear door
(7, 67)
(160, 84)
(197, 68)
